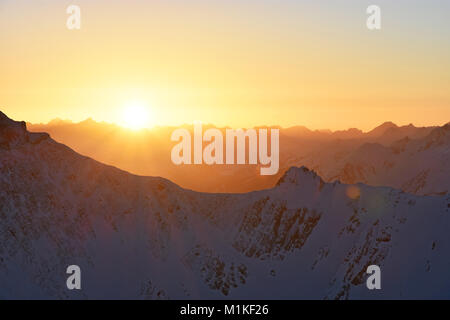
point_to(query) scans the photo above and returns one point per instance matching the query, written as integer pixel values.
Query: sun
(135, 115)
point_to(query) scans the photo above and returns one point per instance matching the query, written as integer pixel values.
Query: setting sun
(135, 115)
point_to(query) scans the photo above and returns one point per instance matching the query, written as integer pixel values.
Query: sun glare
(135, 115)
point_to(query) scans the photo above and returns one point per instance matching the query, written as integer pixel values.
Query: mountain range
(402, 157)
(139, 237)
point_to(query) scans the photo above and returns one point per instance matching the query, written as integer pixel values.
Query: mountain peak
(349, 133)
(295, 175)
(14, 133)
(88, 121)
(5, 122)
(387, 124)
(381, 129)
(58, 121)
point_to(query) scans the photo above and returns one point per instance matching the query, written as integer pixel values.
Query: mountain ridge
(140, 237)
(148, 153)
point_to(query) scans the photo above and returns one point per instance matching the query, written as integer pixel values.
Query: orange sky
(236, 63)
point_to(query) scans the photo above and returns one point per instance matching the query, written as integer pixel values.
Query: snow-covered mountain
(419, 166)
(146, 238)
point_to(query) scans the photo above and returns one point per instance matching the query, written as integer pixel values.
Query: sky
(231, 63)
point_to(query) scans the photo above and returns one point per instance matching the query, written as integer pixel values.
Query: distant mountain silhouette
(381, 129)
(335, 155)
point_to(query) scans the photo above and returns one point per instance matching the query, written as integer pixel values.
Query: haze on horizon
(90, 122)
(233, 63)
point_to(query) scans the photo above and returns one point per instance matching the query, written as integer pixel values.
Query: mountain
(352, 133)
(418, 166)
(381, 129)
(141, 237)
(148, 153)
(393, 134)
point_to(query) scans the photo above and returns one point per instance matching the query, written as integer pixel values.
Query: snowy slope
(419, 166)
(146, 238)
